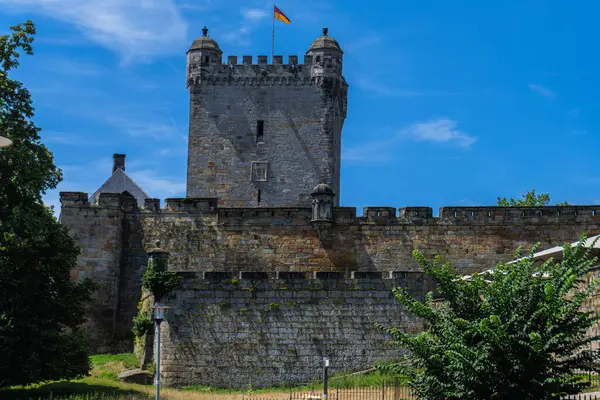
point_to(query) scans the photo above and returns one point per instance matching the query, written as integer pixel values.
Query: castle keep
(276, 274)
(263, 135)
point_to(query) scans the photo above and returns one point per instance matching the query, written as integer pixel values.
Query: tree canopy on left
(41, 308)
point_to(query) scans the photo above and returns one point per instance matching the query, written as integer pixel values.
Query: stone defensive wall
(247, 73)
(282, 244)
(257, 329)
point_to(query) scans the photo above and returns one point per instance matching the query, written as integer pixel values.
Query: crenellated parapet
(512, 212)
(321, 64)
(258, 74)
(373, 215)
(237, 276)
(205, 205)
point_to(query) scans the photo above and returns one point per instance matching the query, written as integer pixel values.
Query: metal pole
(325, 394)
(158, 360)
(273, 36)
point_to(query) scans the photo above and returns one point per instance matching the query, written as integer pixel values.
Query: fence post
(396, 389)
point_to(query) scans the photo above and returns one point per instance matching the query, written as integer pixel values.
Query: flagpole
(273, 37)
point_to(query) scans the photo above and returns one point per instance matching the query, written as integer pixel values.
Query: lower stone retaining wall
(239, 332)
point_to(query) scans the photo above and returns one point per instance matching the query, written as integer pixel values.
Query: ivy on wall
(157, 280)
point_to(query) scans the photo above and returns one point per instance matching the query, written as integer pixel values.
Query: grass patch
(108, 366)
(370, 379)
(104, 385)
(86, 389)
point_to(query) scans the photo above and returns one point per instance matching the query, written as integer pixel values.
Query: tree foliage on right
(520, 332)
(529, 199)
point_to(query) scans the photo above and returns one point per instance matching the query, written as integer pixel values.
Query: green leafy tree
(529, 199)
(41, 309)
(518, 333)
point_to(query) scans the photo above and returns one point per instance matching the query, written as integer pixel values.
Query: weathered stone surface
(281, 332)
(98, 230)
(218, 329)
(300, 109)
(135, 376)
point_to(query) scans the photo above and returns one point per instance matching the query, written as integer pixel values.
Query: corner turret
(203, 52)
(322, 203)
(326, 55)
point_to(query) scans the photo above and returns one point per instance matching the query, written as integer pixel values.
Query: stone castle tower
(264, 135)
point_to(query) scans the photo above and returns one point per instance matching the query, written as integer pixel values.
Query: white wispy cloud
(196, 5)
(65, 66)
(254, 14)
(542, 90)
(363, 42)
(157, 185)
(384, 90)
(376, 152)
(70, 139)
(173, 152)
(239, 36)
(136, 29)
(147, 128)
(441, 130)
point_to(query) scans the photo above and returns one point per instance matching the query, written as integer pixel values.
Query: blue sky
(450, 102)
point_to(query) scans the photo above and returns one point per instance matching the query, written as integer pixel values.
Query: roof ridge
(127, 177)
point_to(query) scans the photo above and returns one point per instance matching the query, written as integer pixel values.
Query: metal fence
(385, 391)
(593, 379)
(375, 393)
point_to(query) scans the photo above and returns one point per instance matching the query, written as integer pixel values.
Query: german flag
(278, 14)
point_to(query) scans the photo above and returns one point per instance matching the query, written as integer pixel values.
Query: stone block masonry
(259, 331)
(294, 151)
(263, 135)
(98, 231)
(201, 237)
(269, 289)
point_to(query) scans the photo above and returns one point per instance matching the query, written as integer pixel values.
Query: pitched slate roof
(120, 182)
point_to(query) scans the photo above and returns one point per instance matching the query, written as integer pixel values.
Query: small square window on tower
(259, 171)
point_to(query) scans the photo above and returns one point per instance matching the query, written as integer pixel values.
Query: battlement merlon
(252, 276)
(205, 62)
(384, 215)
(262, 73)
(262, 61)
(77, 199)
